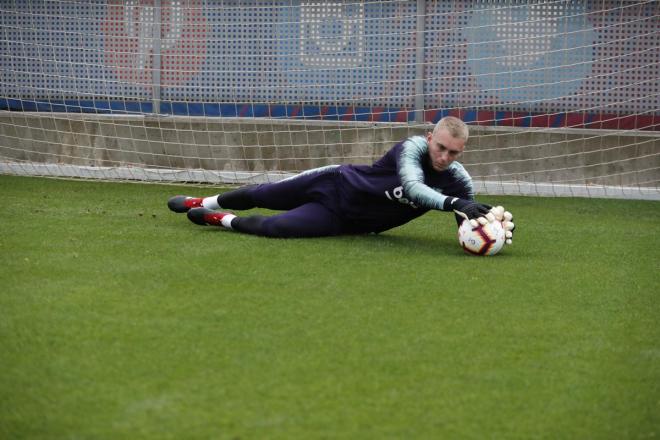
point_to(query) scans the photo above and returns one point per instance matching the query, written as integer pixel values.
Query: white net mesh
(562, 96)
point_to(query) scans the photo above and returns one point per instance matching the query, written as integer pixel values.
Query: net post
(419, 61)
(156, 60)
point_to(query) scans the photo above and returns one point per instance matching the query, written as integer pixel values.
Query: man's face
(444, 149)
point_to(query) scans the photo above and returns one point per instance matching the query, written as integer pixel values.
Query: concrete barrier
(548, 156)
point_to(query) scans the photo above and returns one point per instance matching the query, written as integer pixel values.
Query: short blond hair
(455, 127)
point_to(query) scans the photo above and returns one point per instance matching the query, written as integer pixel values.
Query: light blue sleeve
(461, 174)
(412, 175)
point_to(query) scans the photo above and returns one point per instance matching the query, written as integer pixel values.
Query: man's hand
(498, 213)
(468, 209)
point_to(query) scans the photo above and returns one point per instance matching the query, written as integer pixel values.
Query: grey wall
(563, 156)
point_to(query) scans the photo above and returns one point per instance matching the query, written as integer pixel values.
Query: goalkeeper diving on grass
(417, 175)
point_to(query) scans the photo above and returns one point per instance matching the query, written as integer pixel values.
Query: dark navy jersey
(398, 187)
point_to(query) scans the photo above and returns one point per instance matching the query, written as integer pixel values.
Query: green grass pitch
(122, 320)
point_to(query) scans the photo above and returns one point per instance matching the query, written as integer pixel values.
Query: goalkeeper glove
(468, 209)
(506, 218)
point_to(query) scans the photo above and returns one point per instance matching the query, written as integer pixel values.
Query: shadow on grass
(406, 243)
(385, 242)
(432, 246)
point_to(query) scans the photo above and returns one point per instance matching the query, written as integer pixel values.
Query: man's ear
(429, 135)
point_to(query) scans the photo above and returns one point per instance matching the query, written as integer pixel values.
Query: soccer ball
(485, 239)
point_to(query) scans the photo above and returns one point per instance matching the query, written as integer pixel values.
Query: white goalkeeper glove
(498, 213)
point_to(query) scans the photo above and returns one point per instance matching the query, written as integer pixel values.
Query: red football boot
(184, 203)
(205, 216)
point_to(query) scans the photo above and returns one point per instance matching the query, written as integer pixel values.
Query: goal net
(562, 97)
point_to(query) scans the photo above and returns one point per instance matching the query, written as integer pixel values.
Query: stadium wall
(236, 145)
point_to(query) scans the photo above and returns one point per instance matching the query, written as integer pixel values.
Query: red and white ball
(485, 239)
